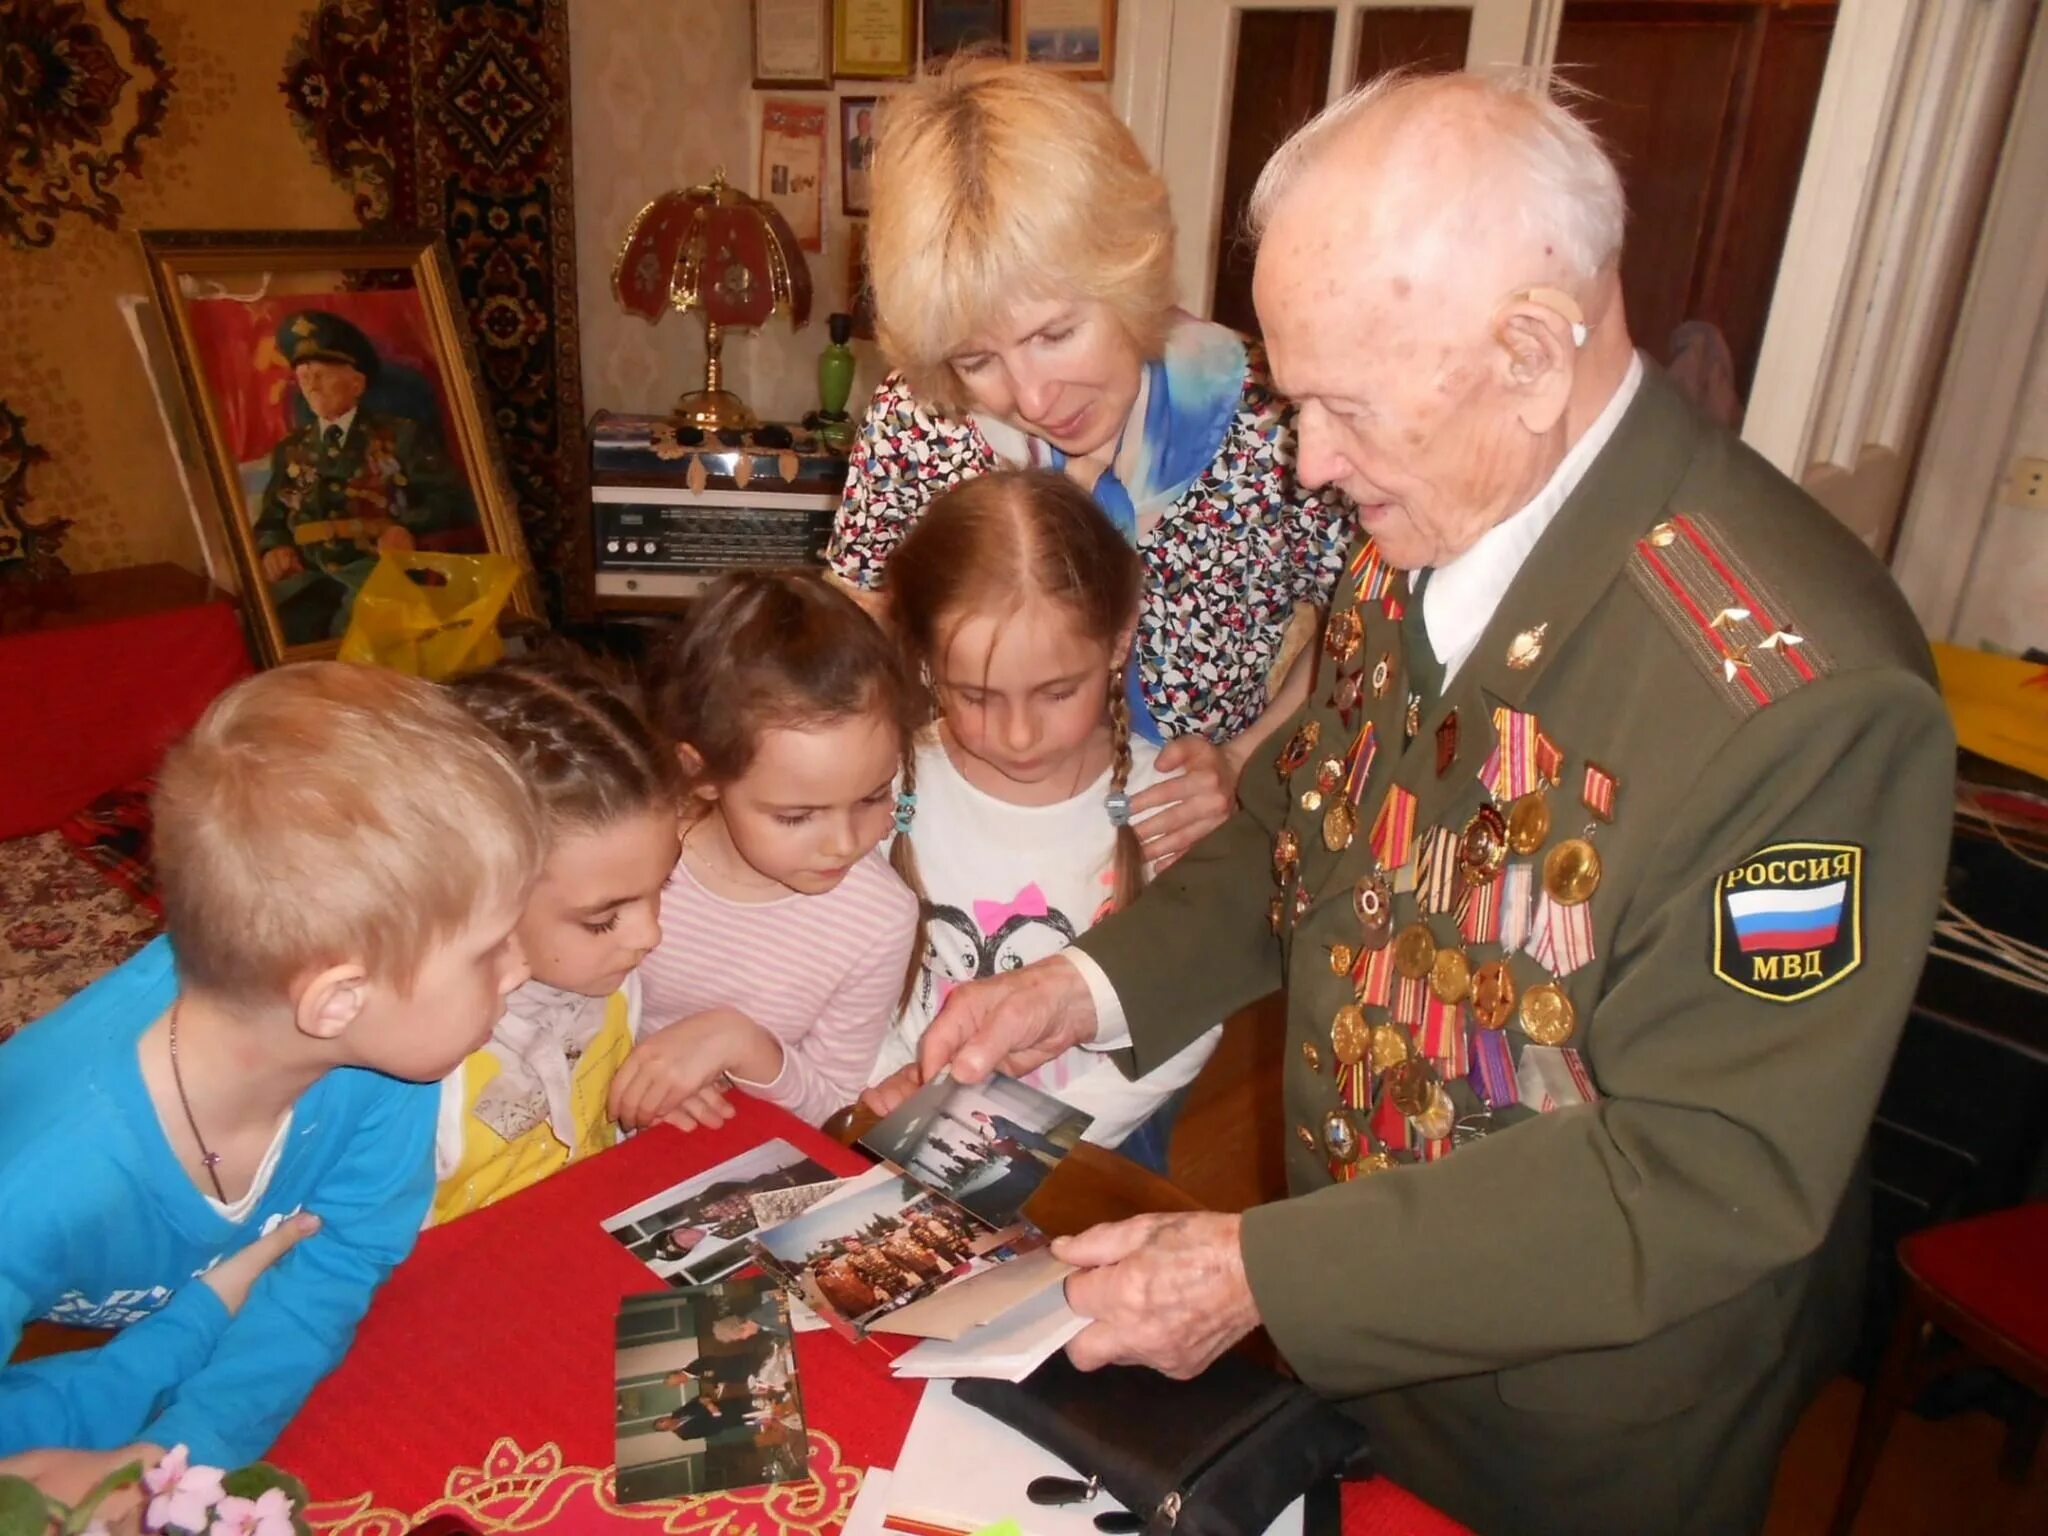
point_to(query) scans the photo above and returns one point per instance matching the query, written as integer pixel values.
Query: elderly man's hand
(281, 562)
(1165, 1291)
(1182, 810)
(1015, 1022)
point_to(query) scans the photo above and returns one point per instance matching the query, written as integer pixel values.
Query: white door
(1200, 86)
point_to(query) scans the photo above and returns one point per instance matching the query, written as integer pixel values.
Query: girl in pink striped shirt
(785, 938)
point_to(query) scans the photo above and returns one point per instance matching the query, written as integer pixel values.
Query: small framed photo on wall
(860, 288)
(792, 45)
(1076, 37)
(856, 153)
(956, 26)
(874, 39)
(793, 166)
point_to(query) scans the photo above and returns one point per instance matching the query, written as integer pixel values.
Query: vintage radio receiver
(674, 507)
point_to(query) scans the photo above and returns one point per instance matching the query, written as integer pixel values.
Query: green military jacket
(332, 504)
(1585, 1285)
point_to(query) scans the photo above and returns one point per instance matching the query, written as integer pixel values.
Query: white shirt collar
(1460, 599)
(344, 421)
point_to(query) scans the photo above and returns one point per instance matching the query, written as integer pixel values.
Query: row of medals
(1571, 873)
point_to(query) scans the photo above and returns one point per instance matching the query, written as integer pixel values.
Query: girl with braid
(1015, 599)
(533, 1100)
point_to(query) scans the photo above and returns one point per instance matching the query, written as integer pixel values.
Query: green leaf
(23, 1509)
(81, 1512)
(258, 1478)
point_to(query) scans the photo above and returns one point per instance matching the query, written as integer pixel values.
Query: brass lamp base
(714, 410)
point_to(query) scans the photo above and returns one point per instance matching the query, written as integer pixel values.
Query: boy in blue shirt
(343, 854)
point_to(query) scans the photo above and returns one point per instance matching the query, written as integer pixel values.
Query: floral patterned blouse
(1224, 564)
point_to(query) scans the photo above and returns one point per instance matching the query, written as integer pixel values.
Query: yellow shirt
(483, 1166)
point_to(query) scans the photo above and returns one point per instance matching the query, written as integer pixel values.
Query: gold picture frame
(340, 413)
(1075, 37)
(874, 39)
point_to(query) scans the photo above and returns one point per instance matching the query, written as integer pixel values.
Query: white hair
(1574, 200)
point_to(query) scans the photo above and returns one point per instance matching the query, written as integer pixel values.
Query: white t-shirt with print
(1009, 884)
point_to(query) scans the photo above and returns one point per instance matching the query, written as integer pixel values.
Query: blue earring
(906, 807)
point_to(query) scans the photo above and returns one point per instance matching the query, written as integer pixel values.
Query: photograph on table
(986, 1146)
(879, 1244)
(334, 386)
(705, 1392)
(695, 1231)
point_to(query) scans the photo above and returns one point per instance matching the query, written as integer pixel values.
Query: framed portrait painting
(339, 413)
(856, 153)
(1076, 37)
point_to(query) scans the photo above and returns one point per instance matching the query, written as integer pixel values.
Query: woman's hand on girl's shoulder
(1180, 811)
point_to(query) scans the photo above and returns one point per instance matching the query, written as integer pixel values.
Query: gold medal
(1410, 1085)
(1548, 1017)
(1350, 1035)
(1526, 647)
(1411, 722)
(1340, 1137)
(1571, 871)
(1374, 1162)
(1493, 995)
(1415, 951)
(1311, 800)
(1342, 635)
(1286, 856)
(1373, 900)
(1450, 975)
(1311, 1055)
(1528, 823)
(1483, 846)
(1438, 1116)
(1341, 957)
(1389, 1046)
(1298, 749)
(1276, 914)
(1340, 825)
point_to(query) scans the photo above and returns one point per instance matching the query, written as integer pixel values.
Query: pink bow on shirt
(991, 915)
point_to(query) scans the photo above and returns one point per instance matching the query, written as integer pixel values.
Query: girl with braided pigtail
(1014, 599)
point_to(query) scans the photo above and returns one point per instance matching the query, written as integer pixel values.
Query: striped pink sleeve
(827, 1068)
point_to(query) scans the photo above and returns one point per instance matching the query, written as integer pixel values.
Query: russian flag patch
(1788, 920)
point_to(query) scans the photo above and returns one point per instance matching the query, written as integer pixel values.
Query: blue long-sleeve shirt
(103, 1227)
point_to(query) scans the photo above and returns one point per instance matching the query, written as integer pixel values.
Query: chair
(1983, 1283)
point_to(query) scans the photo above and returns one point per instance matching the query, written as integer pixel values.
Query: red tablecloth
(480, 1382)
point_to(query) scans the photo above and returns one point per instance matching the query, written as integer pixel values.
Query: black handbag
(1221, 1455)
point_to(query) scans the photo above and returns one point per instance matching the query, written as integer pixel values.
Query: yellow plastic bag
(1999, 705)
(434, 616)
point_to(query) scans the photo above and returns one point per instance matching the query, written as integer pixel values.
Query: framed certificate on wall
(792, 45)
(1076, 37)
(874, 39)
(953, 26)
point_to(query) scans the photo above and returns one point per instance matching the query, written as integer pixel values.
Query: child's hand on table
(679, 1074)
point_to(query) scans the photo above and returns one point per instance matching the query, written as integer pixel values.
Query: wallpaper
(158, 97)
(663, 97)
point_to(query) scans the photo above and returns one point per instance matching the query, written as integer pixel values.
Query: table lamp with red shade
(732, 257)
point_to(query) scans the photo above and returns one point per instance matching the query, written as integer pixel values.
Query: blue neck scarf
(1186, 402)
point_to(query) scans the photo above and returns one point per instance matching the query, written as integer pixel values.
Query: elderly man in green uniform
(346, 485)
(1599, 871)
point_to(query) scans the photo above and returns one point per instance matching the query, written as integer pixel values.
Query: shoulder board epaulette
(1732, 625)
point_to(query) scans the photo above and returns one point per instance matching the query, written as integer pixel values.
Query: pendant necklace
(210, 1158)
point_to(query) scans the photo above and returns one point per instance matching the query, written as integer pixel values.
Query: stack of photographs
(705, 1392)
(947, 1207)
(696, 1231)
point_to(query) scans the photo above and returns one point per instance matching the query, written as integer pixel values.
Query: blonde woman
(1022, 259)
